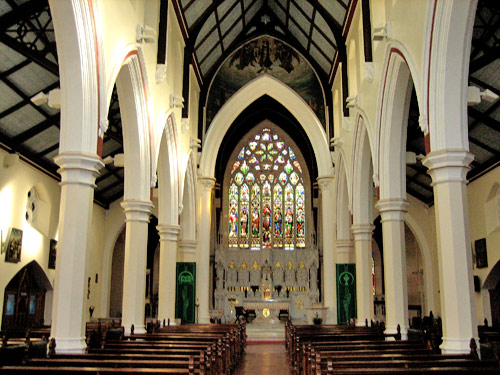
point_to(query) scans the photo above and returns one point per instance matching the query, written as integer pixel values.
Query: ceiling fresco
(261, 56)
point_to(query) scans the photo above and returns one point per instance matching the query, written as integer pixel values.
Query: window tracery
(266, 196)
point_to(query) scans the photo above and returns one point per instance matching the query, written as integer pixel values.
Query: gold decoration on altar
(231, 265)
(289, 265)
(278, 264)
(301, 265)
(243, 265)
(255, 265)
(299, 304)
(266, 313)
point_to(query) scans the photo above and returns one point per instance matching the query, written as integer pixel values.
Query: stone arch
(132, 92)
(446, 71)
(168, 172)
(362, 192)
(392, 119)
(265, 85)
(188, 214)
(79, 89)
(342, 204)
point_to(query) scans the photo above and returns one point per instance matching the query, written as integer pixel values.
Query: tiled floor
(264, 360)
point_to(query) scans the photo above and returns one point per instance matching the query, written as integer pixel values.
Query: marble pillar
(364, 285)
(392, 212)
(206, 185)
(448, 169)
(134, 273)
(326, 185)
(69, 313)
(167, 271)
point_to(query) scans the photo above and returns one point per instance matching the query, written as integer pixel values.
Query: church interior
(264, 169)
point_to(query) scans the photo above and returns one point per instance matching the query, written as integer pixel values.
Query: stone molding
(207, 183)
(448, 165)
(344, 246)
(136, 210)
(188, 246)
(392, 209)
(325, 182)
(78, 168)
(168, 232)
(362, 232)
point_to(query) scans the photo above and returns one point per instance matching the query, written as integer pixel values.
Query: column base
(455, 346)
(137, 329)
(204, 319)
(392, 330)
(70, 346)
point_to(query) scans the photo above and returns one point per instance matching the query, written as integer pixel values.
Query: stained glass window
(266, 198)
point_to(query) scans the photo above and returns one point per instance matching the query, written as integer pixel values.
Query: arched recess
(168, 173)
(188, 214)
(392, 123)
(449, 34)
(130, 85)
(24, 298)
(362, 172)
(492, 284)
(265, 85)
(428, 265)
(76, 50)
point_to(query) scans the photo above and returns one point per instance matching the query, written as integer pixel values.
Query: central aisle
(264, 360)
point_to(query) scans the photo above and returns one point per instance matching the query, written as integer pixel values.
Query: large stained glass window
(266, 196)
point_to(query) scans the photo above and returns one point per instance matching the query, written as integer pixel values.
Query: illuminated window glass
(266, 196)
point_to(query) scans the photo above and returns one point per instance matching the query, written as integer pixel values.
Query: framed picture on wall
(481, 253)
(52, 254)
(13, 245)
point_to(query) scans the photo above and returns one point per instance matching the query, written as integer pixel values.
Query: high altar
(268, 281)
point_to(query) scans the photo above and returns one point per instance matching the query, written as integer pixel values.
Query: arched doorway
(24, 301)
(492, 284)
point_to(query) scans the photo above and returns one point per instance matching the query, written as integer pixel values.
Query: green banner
(185, 292)
(346, 292)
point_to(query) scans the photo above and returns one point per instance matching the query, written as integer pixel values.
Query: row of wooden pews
(334, 349)
(213, 349)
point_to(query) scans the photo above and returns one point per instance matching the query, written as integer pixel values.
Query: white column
(392, 212)
(344, 251)
(448, 170)
(134, 273)
(326, 185)
(206, 185)
(78, 173)
(188, 250)
(168, 261)
(364, 289)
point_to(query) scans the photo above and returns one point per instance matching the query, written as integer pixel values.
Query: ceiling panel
(43, 140)
(21, 120)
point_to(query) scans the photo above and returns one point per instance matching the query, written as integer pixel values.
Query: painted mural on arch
(260, 56)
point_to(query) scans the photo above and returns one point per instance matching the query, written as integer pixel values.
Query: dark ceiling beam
(21, 12)
(114, 197)
(48, 167)
(15, 68)
(484, 85)
(420, 196)
(37, 129)
(35, 56)
(418, 182)
(485, 119)
(197, 25)
(489, 30)
(48, 150)
(110, 186)
(25, 97)
(490, 55)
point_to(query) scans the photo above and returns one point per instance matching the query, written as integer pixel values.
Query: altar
(267, 310)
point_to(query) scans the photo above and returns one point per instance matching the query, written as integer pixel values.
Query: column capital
(392, 209)
(78, 168)
(168, 232)
(136, 210)
(362, 231)
(207, 183)
(325, 182)
(448, 165)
